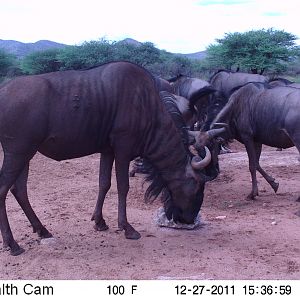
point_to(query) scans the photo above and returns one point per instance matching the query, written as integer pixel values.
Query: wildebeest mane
(283, 80)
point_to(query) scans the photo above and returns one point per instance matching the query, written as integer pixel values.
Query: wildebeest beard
(157, 185)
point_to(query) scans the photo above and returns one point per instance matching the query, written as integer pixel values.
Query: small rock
(274, 223)
(220, 217)
(48, 241)
(162, 221)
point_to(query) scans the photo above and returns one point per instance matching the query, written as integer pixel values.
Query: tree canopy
(7, 61)
(94, 53)
(41, 62)
(255, 50)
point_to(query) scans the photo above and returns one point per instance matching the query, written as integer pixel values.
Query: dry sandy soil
(251, 240)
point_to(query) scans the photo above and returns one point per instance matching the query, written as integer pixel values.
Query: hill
(196, 55)
(20, 49)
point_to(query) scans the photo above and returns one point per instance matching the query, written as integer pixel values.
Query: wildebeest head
(190, 187)
(199, 168)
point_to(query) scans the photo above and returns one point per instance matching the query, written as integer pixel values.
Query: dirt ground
(239, 239)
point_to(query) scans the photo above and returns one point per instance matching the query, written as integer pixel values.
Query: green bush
(41, 62)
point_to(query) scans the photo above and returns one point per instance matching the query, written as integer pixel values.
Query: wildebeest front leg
(19, 190)
(106, 163)
(122, 167)
(13, 165)
(268, 178)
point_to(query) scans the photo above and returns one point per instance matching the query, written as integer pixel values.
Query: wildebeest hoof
(16, 251)
(131, 233)
(100, 226)
(44, 233)
(275, 186)
(251, 196)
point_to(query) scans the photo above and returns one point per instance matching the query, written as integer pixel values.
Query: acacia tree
(6, 62)
(255, 50)
(41, 62)
(146, 54)
(86, 55)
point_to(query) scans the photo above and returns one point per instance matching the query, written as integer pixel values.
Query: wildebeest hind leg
(296, 141)
(268, 178)
(106, 163)
(253, 162)
(122, 167)
(19, 190)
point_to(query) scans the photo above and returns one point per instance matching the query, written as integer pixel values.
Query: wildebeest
(283, 82)
(257, 114)
(225, 82)
(197, 91)
(113, 109)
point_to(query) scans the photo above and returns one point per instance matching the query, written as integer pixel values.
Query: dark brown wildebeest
(257, 114)
(197, 91)
(113, 109)
(283, 82)
(225, 81)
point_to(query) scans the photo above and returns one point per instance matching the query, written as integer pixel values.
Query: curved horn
(220, 124)
(199, 164)
(215, 132)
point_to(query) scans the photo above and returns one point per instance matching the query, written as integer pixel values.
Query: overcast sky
(179, 26)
